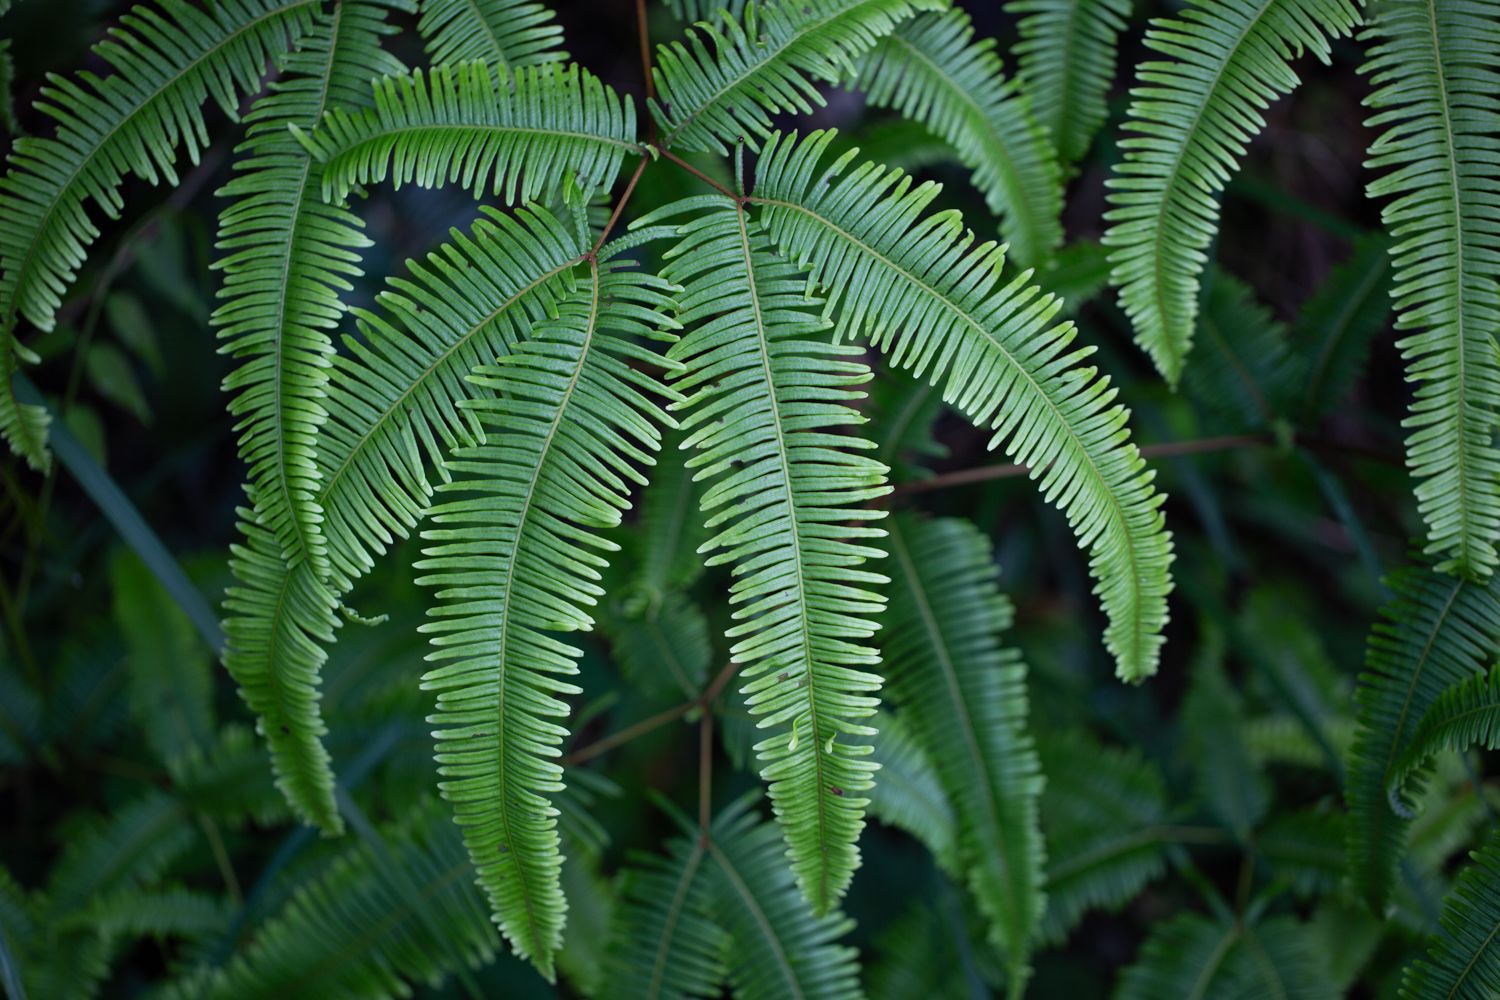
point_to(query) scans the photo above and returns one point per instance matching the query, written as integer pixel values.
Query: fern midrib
(42, 226)
(1069, 35)
(752, 906)
(1443, 732)
(1270, 975)
(674, 913)
(1342, 322)
(1020, 208)
(1122, 524)
(804, 632)
(939, 645)
(1211, 328)
(502, 63)
(1215, 959)
(1464, 973)
(1078, 864)
(279, 624)
(668, 654)
(399, 402)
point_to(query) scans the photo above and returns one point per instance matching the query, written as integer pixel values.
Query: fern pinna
(693, 337)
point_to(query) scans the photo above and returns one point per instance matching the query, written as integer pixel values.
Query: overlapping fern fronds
(507, 34)
(1193, 118)
(1464, 961)
(1197, 956)
(931, 69)
(726, 80)
(765, 399)
(1067, 63)
(1436, 70)
(1465, 715)
(167, 58)
(964, 699)
(937, 303)
(517, 556)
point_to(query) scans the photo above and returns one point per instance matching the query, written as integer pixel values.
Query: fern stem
(674, 158)
(614, 216)
(629, 733)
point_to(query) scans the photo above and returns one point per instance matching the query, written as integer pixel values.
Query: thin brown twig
(705, 771)
(674, 158)
(631, 732)
(640, 24)
(614, 216)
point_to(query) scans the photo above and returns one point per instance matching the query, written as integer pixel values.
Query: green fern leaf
(1437, 632)
(1464, 962)
(1067, 63)
(663, 649)
(1306, 849)
(1336, 325)
(168, 58)
(515, 559)
(120, 853)
(1241, 371)
(765, 400)
(932, 300)
(1235, 791)
(507, 34)
(169, 912)
(777, 946)
(1463, 716)
(1437, 74)
(288, 255)
(762, 63)
(1200, 957)
(964, 697)
(930, 69)
(1193, 117)
(518, 135)
(909, 795)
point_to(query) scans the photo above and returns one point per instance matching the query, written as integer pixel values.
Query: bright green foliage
(932, 300)
(1437, 632)
(1436, 70)
(168, 58)
(514, 559)
(931, 70)
(725, 82)
(507, 34)
(1067, 63)
(516, 135)
(390, 911)
(1100, 808)
(1465, 715)
(1193, 117)
(964, 699)
(1197, 956)
(764, 401)
(1464, 961)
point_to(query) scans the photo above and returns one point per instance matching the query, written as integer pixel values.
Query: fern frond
(777, 946)
(1465, 715)
(507, 34)
(163, 912)
(1437, 102)
(229, 781)
(930, 69)
(670, 531)
(287, 256)
(1197, 956)
(516, 559)
(1193, 118)
(1306, 849)
(1229, 783)
(666, 943)
(1241, 368)
(964, 698)
(278, 620)
(1066, 58)
(518, 135)
(1437, 632)
(903, 416)
(119, 853)
(1335, 327)
(726, 80)
(389, 912)
(909, 795)
(167, 59)
(664, 647)
(934, 301)
(1100, 808)
(1464, 962)
(765, 401)
(923, 953)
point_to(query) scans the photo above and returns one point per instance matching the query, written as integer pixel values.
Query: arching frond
(909, 795)
(964, 698)
(1465, 715)
(515, 135)
(287, 256)
(727, 79)
(765, 402)
(936, 304)
(1335, 327)
(1436, 67)
(930, 69)
(1438, 631)
(1197, 956)
(167, 58)
(1464, 962)
(507, 34)
(778, 947)
(1194, 117)
(1100, 808)
(1241, 371)
(392, 910)
(1067, 64)
(666, 943)
(514, 559)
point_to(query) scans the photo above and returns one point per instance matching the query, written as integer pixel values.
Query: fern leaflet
(1067, 63)
(507, 34)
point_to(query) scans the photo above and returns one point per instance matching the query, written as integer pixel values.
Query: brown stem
(614, 216)
(704, 701)
(705, 771)
(640, 24)
(674, 158)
